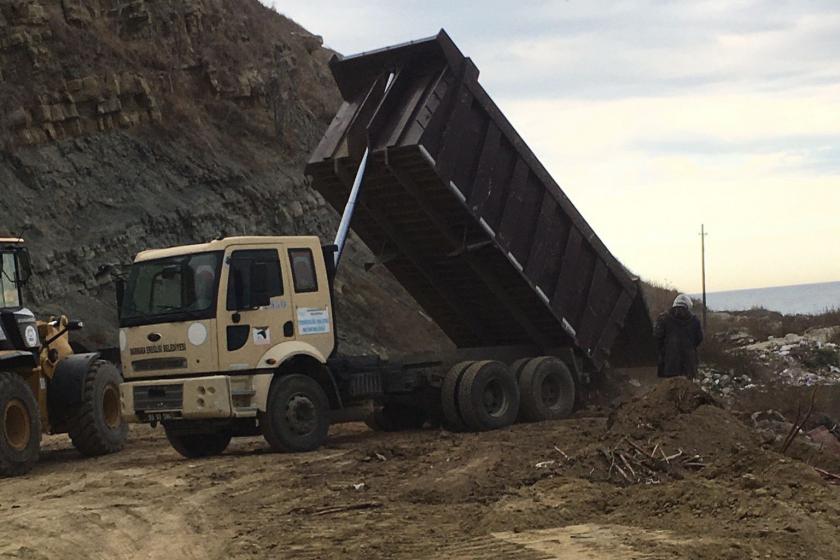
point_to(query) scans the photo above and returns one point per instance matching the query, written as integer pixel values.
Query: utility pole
(703, 235)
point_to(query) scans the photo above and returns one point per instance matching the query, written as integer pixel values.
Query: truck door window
(254, 278)
(175, 288)
(303, 270)
(9, 294)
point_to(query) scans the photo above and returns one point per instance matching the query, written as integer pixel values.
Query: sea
(808, 299)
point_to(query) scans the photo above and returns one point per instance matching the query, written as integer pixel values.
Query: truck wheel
(517, 367)
(396, 418)
(20, 432)
(548, 390)
(194, 445)
(488, 396)
(296, 416)
(97, 426)
(449, 397)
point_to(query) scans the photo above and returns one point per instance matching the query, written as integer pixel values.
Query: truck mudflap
(476, 229)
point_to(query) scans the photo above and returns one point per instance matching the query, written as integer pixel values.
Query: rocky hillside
(129, 124)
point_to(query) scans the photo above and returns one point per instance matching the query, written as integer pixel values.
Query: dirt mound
(529, 491)
(655, 409)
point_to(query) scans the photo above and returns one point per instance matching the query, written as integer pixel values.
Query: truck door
(255, 311)
(313, 315)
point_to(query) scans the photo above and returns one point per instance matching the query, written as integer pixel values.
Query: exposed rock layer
(129, 124)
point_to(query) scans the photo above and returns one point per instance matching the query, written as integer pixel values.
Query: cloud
(572, 48)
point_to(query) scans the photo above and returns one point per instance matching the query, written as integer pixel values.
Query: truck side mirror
(24, 266)
(119, 288)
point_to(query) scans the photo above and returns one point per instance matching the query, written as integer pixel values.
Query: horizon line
(766, 287)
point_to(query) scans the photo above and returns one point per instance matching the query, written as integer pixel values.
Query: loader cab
(238, 304)
(15, 270)
(18, 328)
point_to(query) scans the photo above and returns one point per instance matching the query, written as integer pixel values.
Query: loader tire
(194, 445)
(548, 390)
(488, 396)
(20, 426)
(297, 414)
(449, 397)
(396, 418)
(97, 426)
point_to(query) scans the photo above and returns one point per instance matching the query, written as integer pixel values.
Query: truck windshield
(172, 289)
(9, 292)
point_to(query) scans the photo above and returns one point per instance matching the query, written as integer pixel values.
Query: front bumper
(165, 399)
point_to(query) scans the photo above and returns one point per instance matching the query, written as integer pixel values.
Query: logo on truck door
(262, 336)
(313, 320)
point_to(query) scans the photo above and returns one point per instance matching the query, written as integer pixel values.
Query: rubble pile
(805, 360)
(723, 383)
(808, 359)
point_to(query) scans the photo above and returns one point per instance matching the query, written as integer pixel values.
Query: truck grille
(154, 364)
(159, 397)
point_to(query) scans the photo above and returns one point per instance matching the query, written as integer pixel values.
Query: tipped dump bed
(464, 215)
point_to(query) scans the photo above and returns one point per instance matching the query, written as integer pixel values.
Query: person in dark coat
(678, 334)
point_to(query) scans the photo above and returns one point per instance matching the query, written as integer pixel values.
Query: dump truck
(237, 336)
(46, 388)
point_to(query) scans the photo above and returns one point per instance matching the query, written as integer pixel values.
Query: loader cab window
(254, 279)
(9, 280)
(303, 270)
(177, 288)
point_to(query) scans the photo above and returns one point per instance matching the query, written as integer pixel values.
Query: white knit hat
(683, 300)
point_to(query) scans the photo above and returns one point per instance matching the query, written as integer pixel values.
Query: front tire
(97, 427)
(20, 426)
(194, 445)
(296, 417)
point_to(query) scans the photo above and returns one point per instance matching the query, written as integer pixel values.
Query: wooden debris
(833, 478)
(335, 509)
(799, 424)
(636, 465)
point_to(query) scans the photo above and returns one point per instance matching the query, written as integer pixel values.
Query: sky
(657, 116)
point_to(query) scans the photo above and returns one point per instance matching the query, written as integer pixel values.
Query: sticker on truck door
(313, 320)
(262, 336)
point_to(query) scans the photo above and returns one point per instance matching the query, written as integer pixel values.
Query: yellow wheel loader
(44, 387)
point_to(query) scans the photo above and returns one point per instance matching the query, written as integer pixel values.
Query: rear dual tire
(479, 396)
(547, 388)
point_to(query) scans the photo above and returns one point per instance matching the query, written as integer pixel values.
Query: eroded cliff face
(128, 125)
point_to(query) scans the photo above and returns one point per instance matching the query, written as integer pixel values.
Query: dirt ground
(533, 491)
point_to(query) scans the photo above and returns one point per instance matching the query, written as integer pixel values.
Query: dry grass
(659, 297)
(801, 323)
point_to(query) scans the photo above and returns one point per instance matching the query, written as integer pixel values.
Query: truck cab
(204, 328)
